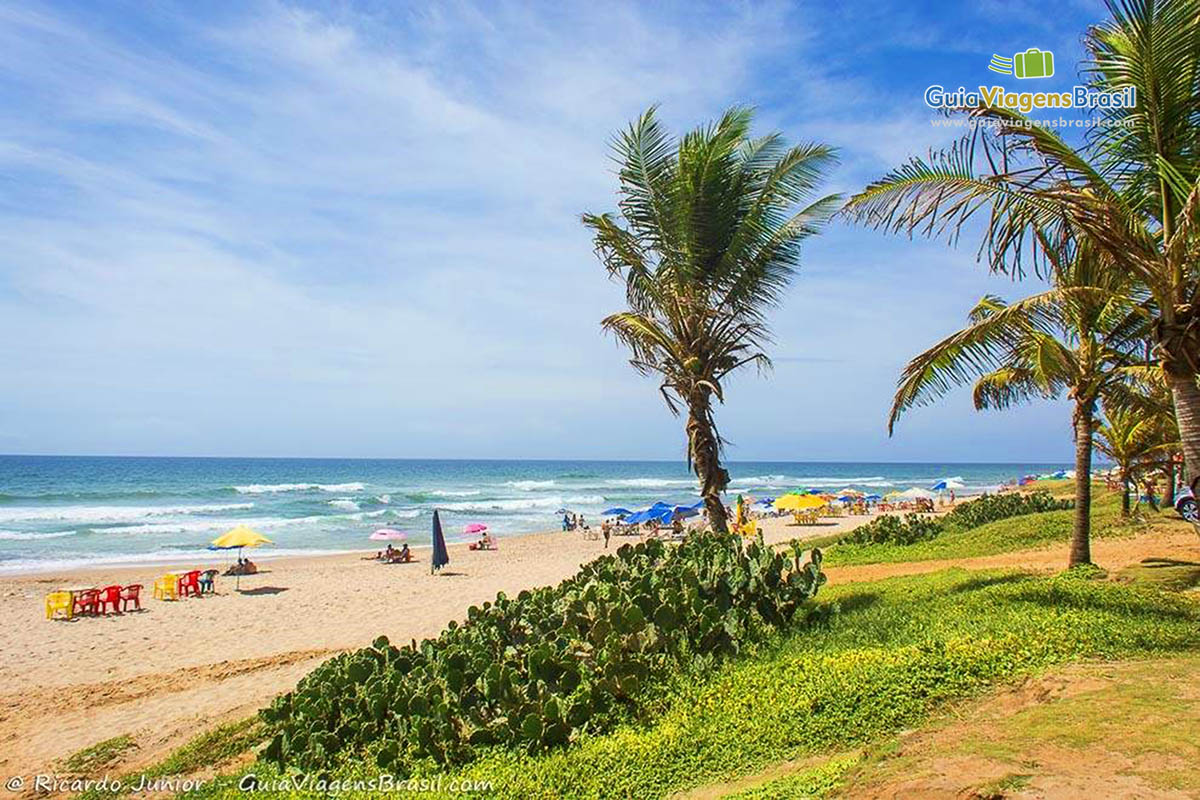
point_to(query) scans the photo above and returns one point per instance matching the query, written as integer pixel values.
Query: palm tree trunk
(1124, 494)
(704, 450)
(1081, 549)
(1169, 477)
(1187, 414)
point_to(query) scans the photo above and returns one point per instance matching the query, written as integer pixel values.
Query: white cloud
(311, 232)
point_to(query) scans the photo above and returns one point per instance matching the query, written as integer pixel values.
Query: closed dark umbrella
(440, 557)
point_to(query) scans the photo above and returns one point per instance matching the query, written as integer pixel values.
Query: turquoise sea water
(60, 511)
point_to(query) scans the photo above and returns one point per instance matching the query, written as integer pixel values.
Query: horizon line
(496, 459)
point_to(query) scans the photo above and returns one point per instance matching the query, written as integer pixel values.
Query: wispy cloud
(333, 229)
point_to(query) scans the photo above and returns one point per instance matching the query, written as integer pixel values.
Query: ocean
(66, 511)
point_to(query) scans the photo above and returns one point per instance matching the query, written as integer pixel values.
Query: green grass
(1026, 532)
(804, 784)
(872, 659)
(92, 760)
(206, 751)
(1135, 721)
(1165, 573)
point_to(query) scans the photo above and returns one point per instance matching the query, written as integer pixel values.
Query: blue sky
(351, 229)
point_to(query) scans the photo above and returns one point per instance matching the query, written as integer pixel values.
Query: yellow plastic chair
(166, 587)
(60, 601)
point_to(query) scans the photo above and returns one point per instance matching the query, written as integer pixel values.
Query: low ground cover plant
(539, 670)
(872, 658)
(993, 507)
(991, 523)
(912, 528)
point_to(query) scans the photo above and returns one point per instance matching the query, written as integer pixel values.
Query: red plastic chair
(108, 596)
(189, 584)
(86, 601)
(130, 594)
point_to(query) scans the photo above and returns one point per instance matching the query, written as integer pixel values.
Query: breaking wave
(270, 488)
(530, 486)
(87, 514)
(18, 536)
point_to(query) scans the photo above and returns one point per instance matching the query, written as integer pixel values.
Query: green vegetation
(891, 529)
(1133, 725)
(1124, 203)
(995, 507)
(92, 760)
(803, 784)
(706, 242)
(872, 659)
(543, 669)
(209, 750)
(991, 524)
(1075, 339)
(1166, 573)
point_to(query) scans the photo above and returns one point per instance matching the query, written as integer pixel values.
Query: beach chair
(86, 601)
(60, 601)
(208, 581)
(167, 587)
(189, 584)
(109, 596)
(131, 594)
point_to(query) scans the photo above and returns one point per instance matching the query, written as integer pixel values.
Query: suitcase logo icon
(1033, 63)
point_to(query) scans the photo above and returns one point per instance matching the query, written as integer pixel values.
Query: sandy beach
(177, 668)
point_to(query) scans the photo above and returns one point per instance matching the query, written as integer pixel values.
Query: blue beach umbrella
(615, 512)
(940, 486)
(440, 556)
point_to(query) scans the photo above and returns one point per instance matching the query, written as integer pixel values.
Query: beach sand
(176, 669)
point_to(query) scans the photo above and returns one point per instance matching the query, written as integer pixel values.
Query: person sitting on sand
(405, 555)
(249, 567)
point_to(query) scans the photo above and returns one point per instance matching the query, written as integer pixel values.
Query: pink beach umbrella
(388, 534)
(475, 527)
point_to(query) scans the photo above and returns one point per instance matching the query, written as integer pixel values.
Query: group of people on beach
(244, 566)
(573, 522)
(393, 556)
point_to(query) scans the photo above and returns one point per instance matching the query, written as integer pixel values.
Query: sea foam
(270, 488)
(87, 514)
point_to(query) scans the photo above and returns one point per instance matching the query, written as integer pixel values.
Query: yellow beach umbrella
(241, 536)
(799, 502)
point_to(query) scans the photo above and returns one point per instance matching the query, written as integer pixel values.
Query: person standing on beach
(606, 529)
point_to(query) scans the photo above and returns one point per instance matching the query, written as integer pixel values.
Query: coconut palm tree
(1147, 400)
(1132, 190)
(707, 238)
(1074, 339)
(1129, 439)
